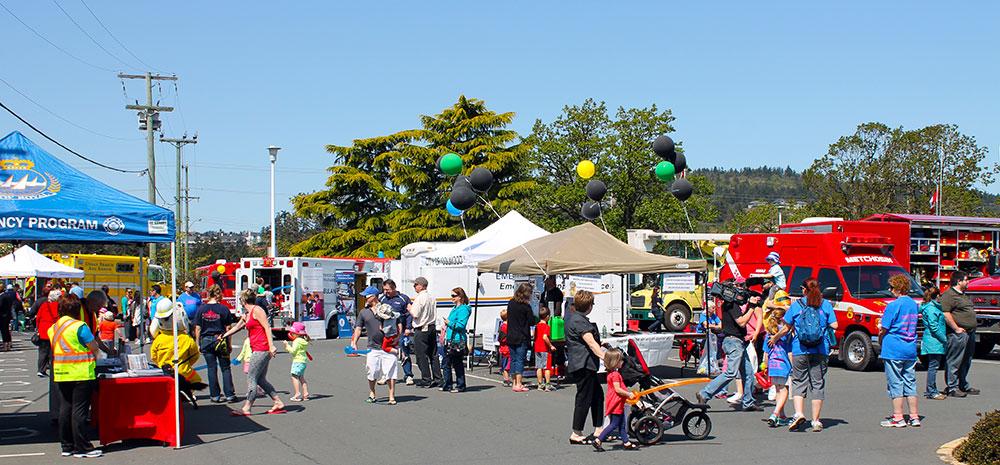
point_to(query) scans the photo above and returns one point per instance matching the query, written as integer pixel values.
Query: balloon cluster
(596, 190)
(673, 164)
(465, 189)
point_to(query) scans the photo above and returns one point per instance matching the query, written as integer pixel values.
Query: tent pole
(624, 311)
(475, 315)
(142, 305)
(173, 318)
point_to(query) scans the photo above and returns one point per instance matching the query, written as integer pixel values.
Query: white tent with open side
(25, 262)
(506, 233)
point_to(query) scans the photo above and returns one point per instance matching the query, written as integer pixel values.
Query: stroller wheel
(697, 426)
(648, 430)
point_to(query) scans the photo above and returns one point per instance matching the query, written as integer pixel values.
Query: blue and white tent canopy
(43, 199)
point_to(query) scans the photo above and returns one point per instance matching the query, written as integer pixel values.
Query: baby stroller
(658, 407)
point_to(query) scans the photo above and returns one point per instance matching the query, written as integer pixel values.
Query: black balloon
(462, 197)
(481, 179)
(681, 188)
(590, 210)
(663, 146)
(596, 190)
(680, 163)
(462, 181)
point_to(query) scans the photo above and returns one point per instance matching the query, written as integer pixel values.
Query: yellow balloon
(221, 268)
(586, 169)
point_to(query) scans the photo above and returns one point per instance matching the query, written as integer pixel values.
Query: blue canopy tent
(43, 199)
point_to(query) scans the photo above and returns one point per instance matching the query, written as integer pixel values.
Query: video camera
(731, 293)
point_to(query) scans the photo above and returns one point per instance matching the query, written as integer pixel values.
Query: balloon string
(532, 257)
(464, 231)
(601, 216)
(691, 228)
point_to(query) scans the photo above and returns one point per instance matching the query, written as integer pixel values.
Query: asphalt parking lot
(489, 423)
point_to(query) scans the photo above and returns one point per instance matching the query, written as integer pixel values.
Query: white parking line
(31, 454)
(484, 379)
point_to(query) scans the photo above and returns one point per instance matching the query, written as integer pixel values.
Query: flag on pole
(934, 201)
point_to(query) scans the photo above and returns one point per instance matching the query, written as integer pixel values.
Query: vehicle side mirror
(831, 293)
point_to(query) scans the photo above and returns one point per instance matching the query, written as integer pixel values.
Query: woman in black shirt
(520, 318)
(584, 352)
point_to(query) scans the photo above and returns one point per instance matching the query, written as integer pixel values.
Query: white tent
(25, 262)
(506, 233)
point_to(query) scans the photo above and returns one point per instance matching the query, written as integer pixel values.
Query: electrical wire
(92, 39)
(74, 152)
(116, 38)
(40, 36)
(68, 121)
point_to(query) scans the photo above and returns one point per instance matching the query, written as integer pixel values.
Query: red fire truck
(852, 260)
(226, 273)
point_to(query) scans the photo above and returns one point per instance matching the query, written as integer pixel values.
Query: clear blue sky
(751, 83)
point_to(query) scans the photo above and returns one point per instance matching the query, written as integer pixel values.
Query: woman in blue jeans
(455, 338)
(520, 319)
(210, 320)
(934, 341)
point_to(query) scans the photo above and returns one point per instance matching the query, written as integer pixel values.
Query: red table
(136, 408)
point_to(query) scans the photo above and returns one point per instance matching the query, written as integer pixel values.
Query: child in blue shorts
(300, 357)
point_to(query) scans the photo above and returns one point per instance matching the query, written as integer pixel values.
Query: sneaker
(734, 399)
(232, 399)
(784, 421)
(409, 381)
(455, 390)
(93, 453)
(43, 375)
(817, 426)
(772, 421)
(971, 391)
(67, 453)
(937, 396)
(796, 422)
(957, 393)
(894, 423)
(915, 422)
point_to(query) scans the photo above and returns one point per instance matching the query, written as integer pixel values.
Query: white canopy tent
(25, 262)
(506, 233)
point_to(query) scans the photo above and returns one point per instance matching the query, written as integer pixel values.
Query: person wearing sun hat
(161, 353)
(298, 349)
(777, 279)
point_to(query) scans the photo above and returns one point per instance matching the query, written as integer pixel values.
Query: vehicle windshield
(868, 282)
(157, 274)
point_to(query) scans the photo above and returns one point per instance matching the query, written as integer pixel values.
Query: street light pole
(273, 152)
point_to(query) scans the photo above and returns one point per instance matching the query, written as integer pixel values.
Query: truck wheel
(677, 317)
(856, 351)
(986, 344)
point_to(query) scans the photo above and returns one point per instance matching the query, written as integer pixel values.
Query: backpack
(557, 329)
(810, 327)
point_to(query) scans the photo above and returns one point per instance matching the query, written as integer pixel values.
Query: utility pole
(187, 219)
(149, 121)
(178, 143)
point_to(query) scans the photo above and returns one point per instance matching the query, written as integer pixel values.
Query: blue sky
(751, 83)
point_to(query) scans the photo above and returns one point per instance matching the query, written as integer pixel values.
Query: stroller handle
(638, 394)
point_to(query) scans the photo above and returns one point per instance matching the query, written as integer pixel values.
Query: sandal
(391, 402)
(276, 411)
(597, 445)
(370, 400)
(238, 413)
(295, 399)
(630, 446)
(586, 441)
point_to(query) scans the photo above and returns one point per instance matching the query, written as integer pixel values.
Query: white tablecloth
(655, 347)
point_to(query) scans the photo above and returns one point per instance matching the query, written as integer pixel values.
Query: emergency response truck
(118, 272)
(853, 270)
(222, 273)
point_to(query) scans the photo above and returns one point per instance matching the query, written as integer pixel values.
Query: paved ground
(489, 424)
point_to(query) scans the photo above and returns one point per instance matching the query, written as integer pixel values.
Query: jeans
(74, 408)
(959, 358)
(737, 364)
(616, 424)
(452, 362)
(589, 398)
(215, 362)
(933, 363)
(425, 346)
(518, 354)
(657, 320)
(406, 348)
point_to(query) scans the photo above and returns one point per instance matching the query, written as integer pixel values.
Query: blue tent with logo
(43, 199)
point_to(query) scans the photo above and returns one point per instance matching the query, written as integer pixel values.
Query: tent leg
(141, 330)
(624, 310)
(177, 382)
(475, 315)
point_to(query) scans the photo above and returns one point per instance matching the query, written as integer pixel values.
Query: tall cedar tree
(386, 192)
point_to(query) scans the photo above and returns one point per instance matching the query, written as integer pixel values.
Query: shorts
(809, 376)
(543, 361)
(779, 380)
(901, 378)
(298, 369)
(518, 354)
(381, 364)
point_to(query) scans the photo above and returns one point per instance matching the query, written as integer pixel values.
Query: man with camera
(736, 313)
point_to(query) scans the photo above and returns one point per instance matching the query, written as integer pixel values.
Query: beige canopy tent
(584, 249)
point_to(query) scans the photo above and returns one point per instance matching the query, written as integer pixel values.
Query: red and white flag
(934, 200)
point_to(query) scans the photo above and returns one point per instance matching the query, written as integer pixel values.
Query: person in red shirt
(504, 350)
(108, 328)
(47, 315)
(543, 347)
(614, 402)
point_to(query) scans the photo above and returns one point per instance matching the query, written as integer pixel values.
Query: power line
(74, 152)
(115, 38)
(68, 121)
(84, 31)
(40, 36)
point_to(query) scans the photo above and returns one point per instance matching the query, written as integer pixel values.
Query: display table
(136, 408)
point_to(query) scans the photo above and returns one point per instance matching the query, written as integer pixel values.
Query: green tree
(385, 192)
(880, 169)
(620, 145)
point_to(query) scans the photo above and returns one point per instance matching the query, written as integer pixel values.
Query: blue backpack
(810, 327)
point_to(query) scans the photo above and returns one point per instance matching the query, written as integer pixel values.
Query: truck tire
(986, 344)
(676, 317)
(856, 351)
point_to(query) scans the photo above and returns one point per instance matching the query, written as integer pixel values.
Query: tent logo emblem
(20, 181)
(114, 225)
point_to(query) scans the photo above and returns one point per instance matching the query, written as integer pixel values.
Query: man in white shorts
(379, 364)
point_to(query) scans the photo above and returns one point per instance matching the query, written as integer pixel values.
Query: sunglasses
(454, 295)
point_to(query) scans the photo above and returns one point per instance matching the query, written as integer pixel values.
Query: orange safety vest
(71, 359)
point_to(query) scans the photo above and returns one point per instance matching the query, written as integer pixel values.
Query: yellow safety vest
(71, 360)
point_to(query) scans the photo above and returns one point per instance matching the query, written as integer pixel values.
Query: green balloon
(451, 164)
(665, 171)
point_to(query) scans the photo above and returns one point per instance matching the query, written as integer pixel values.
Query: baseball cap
(370, 290)
(189, 284)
